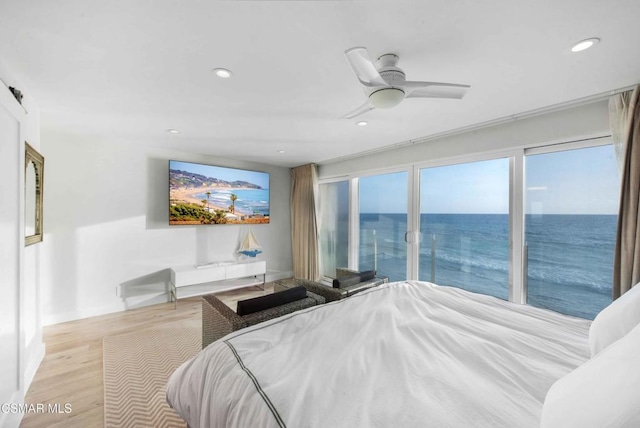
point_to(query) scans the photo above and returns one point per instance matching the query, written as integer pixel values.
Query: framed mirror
(33, 185)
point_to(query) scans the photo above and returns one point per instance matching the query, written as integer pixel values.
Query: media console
(198, 280)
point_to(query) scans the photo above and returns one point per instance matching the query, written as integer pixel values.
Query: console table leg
(173, 296)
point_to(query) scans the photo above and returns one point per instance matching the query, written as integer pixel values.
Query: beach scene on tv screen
(208, 194)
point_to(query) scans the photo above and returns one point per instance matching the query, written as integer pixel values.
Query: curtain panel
(625, 120)
(304, 222)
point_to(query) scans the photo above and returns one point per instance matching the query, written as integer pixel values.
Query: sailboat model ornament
(250, 246)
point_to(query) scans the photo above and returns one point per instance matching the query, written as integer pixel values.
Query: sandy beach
(185, 194)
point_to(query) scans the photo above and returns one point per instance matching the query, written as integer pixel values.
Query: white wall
(21, 349)
(106, 226)
(559, 126)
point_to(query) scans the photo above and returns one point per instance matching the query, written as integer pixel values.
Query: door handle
(410, 237)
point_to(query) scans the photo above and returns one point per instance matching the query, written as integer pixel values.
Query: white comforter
(405, 354)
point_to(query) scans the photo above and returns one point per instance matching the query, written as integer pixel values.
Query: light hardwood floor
(71, 372)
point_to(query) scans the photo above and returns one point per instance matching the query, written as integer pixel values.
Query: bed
(403, 354)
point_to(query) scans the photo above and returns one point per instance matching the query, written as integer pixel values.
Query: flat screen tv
(208, 194)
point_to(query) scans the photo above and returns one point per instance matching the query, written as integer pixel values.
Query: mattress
(403, 354)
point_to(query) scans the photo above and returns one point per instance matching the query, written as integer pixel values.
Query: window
(533, 226)
(571, 205)
(464, 226)
(383, 224)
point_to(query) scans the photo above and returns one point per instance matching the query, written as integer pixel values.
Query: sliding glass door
(570, 226)
(382, 201)
(464, 226)
(534, 226)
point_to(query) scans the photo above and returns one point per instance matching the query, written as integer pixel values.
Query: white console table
(198, 280)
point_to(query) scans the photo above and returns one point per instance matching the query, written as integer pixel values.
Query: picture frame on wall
(33, 195)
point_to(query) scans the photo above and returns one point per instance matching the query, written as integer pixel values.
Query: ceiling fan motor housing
(393, 77)
(389, 71)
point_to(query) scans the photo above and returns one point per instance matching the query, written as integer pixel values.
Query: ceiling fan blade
(358, 111)
(364, 68)
(434, 90)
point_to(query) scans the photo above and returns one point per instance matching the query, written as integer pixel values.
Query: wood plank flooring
(71, 372)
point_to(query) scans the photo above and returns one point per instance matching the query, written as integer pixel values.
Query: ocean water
(570, 257)
(249, 201)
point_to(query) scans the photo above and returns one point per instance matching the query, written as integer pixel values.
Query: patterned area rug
(136, 368)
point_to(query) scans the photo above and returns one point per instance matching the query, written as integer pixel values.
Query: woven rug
(136, 368)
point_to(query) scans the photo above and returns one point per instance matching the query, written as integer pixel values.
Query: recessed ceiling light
(584, 44)
(281, 151)
(173, 131)
(223, 73)
(362, 123)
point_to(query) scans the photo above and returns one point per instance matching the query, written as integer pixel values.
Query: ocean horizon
(570, 263)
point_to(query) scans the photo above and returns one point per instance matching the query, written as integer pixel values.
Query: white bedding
(405, 354)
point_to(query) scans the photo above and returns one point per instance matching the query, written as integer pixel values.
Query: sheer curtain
(624, 114)
(328, 230)
(304, 222)
(333, 233)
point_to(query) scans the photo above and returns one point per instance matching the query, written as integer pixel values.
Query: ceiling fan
(385, 85)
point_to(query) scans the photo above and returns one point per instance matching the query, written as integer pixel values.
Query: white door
(11, 239)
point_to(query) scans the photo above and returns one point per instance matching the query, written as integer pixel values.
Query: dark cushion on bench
(367, 275)
(355, 278)
(346, 281)
(269, 301)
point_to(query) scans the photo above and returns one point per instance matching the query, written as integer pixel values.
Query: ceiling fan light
(386, 98)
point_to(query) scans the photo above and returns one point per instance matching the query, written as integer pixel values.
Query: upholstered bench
(218, 319)
(346, 285)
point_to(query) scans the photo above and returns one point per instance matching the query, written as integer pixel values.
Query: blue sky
(583, 181)
(223, 173)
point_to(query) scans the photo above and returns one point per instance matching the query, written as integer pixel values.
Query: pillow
(367, 275)
(269, 301)
(614, 321)
(346, 281)
(603, 392)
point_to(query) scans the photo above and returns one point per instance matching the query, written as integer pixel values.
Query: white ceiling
(125, 71)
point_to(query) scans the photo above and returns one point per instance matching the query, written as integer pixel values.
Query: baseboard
(58, 318)
(274, 275)
(77, 315)
(34, 364)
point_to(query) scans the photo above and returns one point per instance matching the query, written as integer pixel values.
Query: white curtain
(328, 215)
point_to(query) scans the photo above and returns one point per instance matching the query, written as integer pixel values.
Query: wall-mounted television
(209, 194)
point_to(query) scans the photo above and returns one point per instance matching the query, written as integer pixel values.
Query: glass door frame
(595, 141)
(354, 211)
(354, 220)
(350, 215)
(516, 230)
